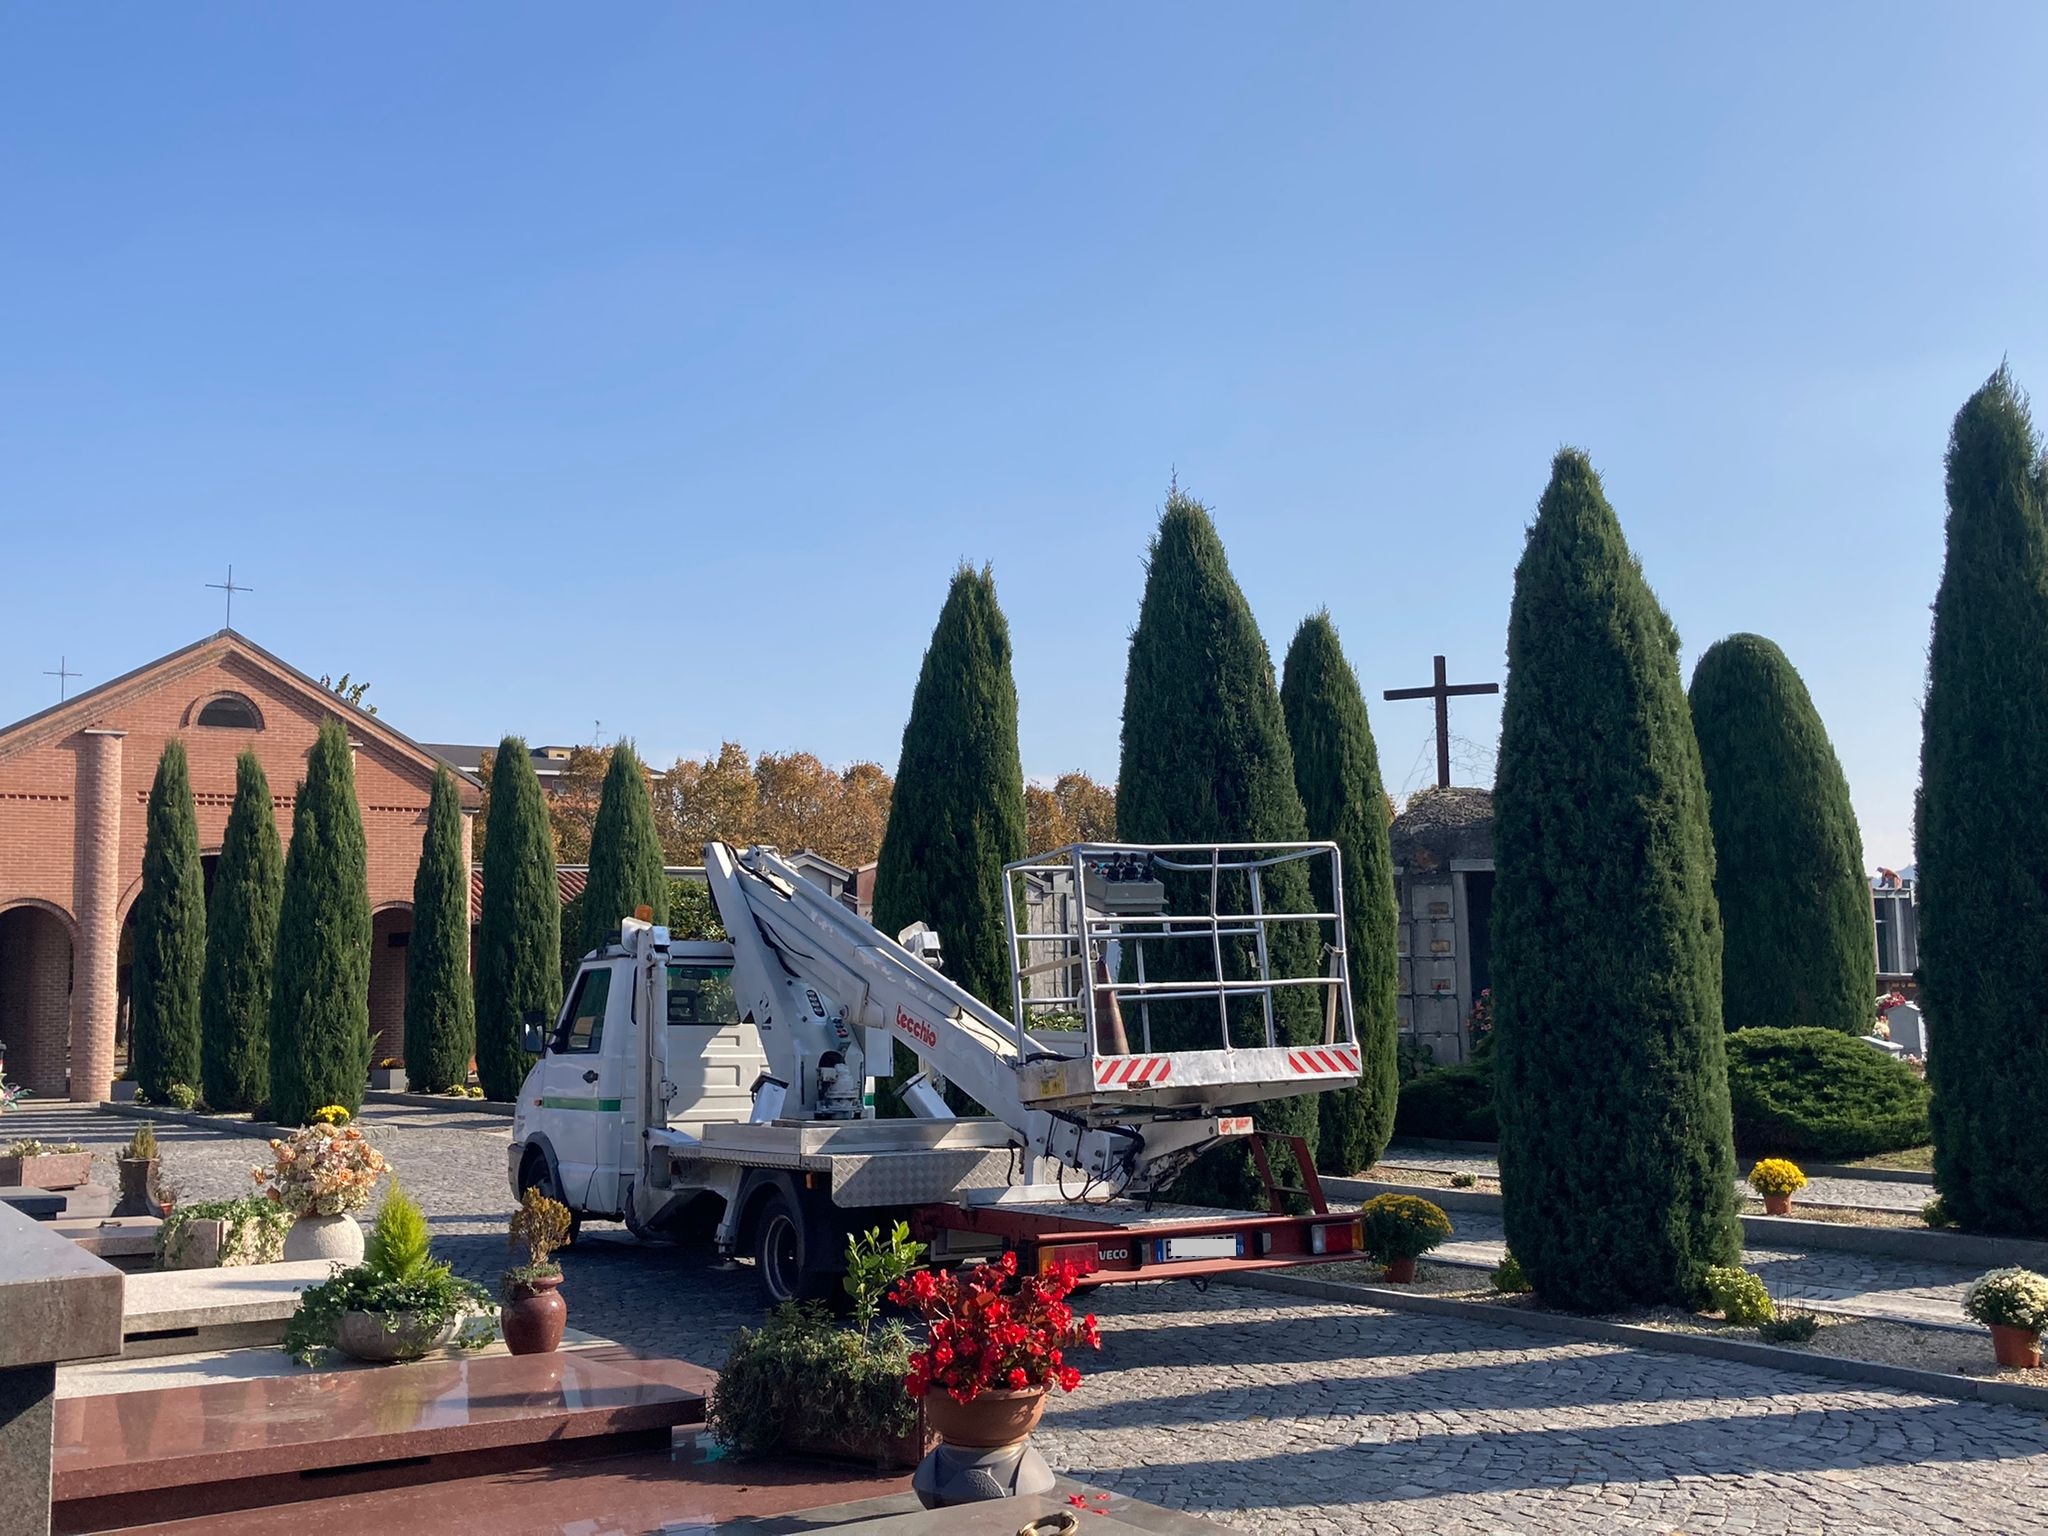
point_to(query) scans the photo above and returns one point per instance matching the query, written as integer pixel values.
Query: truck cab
(577, 1127)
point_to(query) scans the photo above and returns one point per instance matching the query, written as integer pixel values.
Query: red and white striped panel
(1324, 1061)
(1131, 1071)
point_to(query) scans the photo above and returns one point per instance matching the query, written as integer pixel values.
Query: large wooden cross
(1443, 692)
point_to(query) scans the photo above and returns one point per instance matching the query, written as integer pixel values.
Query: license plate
(1167, 1249)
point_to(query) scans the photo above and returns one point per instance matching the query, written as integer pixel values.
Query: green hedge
(1822, 1093)
(1450, 1104)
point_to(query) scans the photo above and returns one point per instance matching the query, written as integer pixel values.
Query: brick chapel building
(74, 786)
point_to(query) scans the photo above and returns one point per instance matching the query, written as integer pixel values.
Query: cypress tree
(1983, 824)
(519, 937)
(320, 990)
(1616, 1151)
(1337, 771)
(1798, 949)
(440, 1012)
(1206, 760)
(957, 815)
(625, 854)
(170, 935)
(241, 947)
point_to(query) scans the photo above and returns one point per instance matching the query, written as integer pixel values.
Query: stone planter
(52, 1170)
(388, 1079)
(533, 1317)
(2019, 1347)
(137, 1175)
(123, 1092)
(988, 1421)
(1400, 1272)
(196, 1245)
(365, 1336)
(885, 1453)
(336, 1238)
(1777, 1205)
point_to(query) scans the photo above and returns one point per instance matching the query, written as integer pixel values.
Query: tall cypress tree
(1206, 760)
(1798, 948)
(170, 935)
(957, 815)
(625, 854)
(1983, 824)
(241, 947)
(1337, 771)
(440, 1011)
(320, 990)
(1617, 1154)
(519, 937)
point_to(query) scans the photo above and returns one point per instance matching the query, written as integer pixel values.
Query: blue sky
(655, 365)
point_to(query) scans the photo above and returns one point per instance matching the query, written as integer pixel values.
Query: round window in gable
(231, 712)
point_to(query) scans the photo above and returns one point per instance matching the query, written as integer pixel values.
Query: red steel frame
(1105, 1251)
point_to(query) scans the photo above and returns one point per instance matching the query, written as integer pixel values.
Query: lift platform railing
(1099, 929)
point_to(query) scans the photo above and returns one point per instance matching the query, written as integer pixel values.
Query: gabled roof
(85, 709)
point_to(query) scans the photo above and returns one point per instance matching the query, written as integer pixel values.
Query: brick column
(95, 992)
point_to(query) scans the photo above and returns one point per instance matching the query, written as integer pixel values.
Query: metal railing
(1101, 937)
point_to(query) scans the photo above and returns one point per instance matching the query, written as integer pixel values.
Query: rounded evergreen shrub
(1450, 1104)
(1822, 1093)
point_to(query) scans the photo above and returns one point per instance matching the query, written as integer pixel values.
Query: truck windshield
(701, 994)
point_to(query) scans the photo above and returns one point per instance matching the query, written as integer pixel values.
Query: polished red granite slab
(666, 1491)
(180, 1437)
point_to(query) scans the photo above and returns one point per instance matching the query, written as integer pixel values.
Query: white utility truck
(727, 1090)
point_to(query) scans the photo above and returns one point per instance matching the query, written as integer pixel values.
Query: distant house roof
(548, 762)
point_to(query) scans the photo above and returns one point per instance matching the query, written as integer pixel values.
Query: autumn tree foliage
(789, 800)
(1072, 809)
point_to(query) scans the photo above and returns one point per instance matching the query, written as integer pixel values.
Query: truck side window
(701, 994)
(584, 1030)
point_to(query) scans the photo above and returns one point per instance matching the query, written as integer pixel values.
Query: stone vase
(984, 1449)
(137, 1174)
(365, 1336)
(533, 1316)
(336, 1238)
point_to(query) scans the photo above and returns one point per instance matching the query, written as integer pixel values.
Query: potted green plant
(1777, 1180)
(34, 1164)
(1396, 1230)
(807, 1383)
(222, 1234)
(398, 1304)
(137, 1167)
(532, 1312)
(2013, 1304)
(321, 1174)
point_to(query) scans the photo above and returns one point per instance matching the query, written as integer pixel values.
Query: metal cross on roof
(1443, 692)
(230, 589)
(63, 674)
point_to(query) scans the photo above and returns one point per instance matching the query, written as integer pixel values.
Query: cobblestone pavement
(1869, 1284)
(1870, 1194)
(1293, 1416)
(1341, 1421)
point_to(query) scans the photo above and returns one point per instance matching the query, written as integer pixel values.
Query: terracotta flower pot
(2016, 1346)
(1777, 1205)
(988, 1420)
(533, 1318)
(1400, 1271)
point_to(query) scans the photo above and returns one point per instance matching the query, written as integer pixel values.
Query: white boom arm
(813, 976)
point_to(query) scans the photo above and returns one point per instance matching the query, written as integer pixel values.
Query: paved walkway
(1868, 1194)
(1870, 1285)
(1334, 1420)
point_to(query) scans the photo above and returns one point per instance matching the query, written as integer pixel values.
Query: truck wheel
(534, 1174)
(782, 1254)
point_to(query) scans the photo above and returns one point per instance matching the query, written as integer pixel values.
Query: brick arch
(38, 950)
(387, 979)
(228, 696)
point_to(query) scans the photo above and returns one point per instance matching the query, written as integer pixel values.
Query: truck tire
(786, 1252)
(538, 1173)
